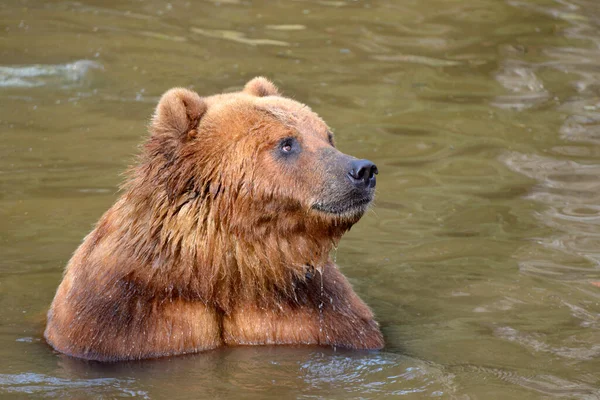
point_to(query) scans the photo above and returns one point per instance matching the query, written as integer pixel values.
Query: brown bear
(221, 237)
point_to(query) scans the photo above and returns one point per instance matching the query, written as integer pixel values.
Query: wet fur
(199, 253)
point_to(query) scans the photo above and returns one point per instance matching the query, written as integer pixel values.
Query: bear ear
(178, 114)
(261, 87)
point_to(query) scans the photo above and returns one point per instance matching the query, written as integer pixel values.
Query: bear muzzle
(350, 186)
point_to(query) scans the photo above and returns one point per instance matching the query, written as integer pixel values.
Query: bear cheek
(296, 180)
(308, 176)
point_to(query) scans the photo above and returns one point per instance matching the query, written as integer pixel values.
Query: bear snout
(362, 174)
(350, 184)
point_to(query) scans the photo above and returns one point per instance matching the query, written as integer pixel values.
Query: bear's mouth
(346, 206)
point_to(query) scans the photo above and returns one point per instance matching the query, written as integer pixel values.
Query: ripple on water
(521, 80)
(45, 385)
(238, 37)
(62, 75)
(571, 193)
(547, 384)
(376, 374)
(582, 127)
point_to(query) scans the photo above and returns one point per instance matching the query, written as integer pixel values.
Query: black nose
(362, 173)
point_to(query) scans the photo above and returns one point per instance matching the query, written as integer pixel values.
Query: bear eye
(288, 146)
(330, 138)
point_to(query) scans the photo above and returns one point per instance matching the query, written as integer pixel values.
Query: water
(481, 258)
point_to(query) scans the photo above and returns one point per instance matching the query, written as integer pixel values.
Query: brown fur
(212, 243)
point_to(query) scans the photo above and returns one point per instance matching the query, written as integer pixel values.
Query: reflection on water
(568, 174)
(571, 192)
(521, 80)
(42, 75)
(283, 372)
(48, 386)
(481, 258)
(238, 37)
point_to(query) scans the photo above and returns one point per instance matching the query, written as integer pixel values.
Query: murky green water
(481, 257)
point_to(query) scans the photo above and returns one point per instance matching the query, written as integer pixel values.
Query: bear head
(248, 177)
(271, 158)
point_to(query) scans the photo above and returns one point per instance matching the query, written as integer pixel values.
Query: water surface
(481, 258)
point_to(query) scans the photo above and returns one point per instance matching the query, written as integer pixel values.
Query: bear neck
(193, 246)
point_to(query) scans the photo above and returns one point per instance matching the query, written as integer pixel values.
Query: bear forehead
(240, 106)
(292, 113)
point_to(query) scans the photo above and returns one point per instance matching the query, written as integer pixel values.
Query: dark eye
(330, 138)
(289, 146)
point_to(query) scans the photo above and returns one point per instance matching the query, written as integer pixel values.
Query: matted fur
(211, 243)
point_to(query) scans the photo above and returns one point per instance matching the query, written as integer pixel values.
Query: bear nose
(362, 173)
